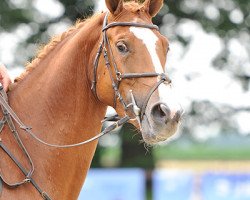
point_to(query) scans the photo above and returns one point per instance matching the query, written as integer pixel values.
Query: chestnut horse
(61, 95)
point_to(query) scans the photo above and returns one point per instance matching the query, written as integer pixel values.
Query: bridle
(105, 48)
(10, 116)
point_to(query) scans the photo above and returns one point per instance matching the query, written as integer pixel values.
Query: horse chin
(154, 133)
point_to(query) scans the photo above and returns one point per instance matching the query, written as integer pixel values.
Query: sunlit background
(210, 68)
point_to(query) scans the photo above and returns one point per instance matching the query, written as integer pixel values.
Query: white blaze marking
(149, 39)
(165, 92)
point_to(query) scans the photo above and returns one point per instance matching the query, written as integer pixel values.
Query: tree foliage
(226, 18)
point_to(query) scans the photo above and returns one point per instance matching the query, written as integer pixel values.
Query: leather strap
(1, 187)
(8, 113)
(145, 103)
(28, 129)
(44, 195)
(137, 75)
(150, 26)
(106, 49)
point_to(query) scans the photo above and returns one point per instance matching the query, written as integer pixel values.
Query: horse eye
(122, 48)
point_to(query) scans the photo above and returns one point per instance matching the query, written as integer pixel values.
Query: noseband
(104, 48)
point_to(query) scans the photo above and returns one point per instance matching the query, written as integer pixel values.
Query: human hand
(4, 77)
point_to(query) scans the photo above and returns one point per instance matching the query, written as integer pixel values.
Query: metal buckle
(136, 109)
(118, 76)
(165, 78)
(27, 180)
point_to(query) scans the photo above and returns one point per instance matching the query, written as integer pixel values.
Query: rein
(9, 116)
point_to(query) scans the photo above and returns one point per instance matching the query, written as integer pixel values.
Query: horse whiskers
(134, 135)
(146, 147)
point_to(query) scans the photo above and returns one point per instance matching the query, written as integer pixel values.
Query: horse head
(131, 76)
(54, 96)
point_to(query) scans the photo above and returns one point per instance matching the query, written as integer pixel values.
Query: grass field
(223, 149)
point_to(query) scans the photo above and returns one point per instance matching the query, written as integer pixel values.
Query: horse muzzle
(157, 120)
(160, 123)
(161, 117)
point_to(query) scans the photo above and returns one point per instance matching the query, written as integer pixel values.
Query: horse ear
(114, 6)
(153, 6)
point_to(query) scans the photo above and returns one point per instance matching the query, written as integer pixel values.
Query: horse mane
(44, 50)
(134, 6)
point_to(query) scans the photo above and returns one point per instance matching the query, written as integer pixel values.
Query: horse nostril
(164, 109)
(160, 113)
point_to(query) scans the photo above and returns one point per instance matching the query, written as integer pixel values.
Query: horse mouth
(155, 128)
(153, 135)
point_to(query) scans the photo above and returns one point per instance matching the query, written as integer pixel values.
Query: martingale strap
(9, 114)
(44, 195)
(7, 119)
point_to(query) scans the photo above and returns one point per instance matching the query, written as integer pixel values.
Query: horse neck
(55, 99)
